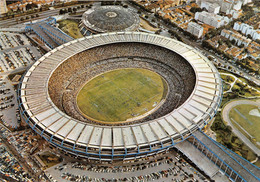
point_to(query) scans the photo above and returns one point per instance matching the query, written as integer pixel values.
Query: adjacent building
(3, 7)
(247, 30)
(195, 29)
(211, 7)
(232, 35)
(230, 7)
(211, 19)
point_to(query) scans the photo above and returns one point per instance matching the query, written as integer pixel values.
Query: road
(43, 14)
(225, 114)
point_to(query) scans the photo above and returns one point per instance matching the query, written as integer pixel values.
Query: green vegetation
(240, 117)
(244, 90)
(239, 87)
(70, 27)
(121, 94)
(227, 78)
(230, 140)
(226, 87)
(223, 132)
(49, 159)
(257, 163)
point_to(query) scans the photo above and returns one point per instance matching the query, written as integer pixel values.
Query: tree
(61, 11)
(220, 42)
(194, 10)
(30, 6)
(249, 36)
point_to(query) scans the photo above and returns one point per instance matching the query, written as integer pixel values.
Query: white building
(226, 6)
(211, 19)
(3, 7)
(211, 7)
(195, 29)
(240, 39)
(247, 30)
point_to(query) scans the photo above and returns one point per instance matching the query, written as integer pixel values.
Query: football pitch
(121, 94)
(248, 123)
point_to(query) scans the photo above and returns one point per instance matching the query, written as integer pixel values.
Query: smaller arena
(109, 19)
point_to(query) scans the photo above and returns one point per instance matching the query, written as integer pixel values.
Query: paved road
(225, 114)
(43, 14)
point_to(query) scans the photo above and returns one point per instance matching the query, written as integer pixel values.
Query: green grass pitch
(250, 123)
(121, 94)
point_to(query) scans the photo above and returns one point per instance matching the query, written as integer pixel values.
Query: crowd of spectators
(72, 74)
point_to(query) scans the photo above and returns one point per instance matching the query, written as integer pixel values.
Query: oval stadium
(109, 19)
(119, 96)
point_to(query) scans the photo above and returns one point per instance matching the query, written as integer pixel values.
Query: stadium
(57, 89)
(108, 19)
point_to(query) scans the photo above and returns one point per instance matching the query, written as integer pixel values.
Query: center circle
(111, 14)
(122, 95)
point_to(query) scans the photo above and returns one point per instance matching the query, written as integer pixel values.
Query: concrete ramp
(198, 158)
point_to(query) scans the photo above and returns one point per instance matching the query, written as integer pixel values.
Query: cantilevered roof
(194, 113)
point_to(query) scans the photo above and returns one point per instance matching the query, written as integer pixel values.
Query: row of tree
(74, 9)
(27, 17)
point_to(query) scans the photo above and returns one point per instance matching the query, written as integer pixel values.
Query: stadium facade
(117, 142)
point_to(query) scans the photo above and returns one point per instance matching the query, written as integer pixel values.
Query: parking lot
(166, 168)
(16, 51)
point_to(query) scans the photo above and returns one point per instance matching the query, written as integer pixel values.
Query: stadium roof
(194, 113)
(110, 19)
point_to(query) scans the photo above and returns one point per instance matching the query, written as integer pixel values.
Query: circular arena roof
(113, 142)
(110, 19)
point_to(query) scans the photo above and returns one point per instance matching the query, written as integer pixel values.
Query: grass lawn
(49, 159)
(70, 27)
(121, 94)
(227, 78)
(250, 123)
(257, 163)
(226, 87)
